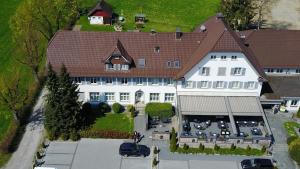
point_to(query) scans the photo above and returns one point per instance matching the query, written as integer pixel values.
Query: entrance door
(138, 96)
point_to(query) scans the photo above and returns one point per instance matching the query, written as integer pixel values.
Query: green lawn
(290, 128)
(162, 15)
(113, 121)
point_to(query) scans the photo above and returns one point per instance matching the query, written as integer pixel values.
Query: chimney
(178, 34)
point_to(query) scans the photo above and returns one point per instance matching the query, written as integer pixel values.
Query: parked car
(257, 163)
(133, 149)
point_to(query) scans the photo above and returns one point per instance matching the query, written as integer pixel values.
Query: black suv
(133, 149)
(257, 163)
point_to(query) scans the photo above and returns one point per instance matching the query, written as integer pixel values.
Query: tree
(238, 13)
(12, 95)
(51, 15)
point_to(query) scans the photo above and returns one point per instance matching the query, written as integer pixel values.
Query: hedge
(290, 139)
(103, 108)
(163, 110)
(294, 149)
(117, 108)
(105, 134)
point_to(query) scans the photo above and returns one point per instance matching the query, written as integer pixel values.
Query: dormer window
(141, 63)
(169, 64)
(156, 49)
(213, 57)
(223, 57)
(176, 64)
(233, 57)
(124, 67)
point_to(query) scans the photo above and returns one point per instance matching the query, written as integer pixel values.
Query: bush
(185, 147)
(173, 141)
(117, 108)
(201, 147)
(74, 136)
(155, 162)
(163, 110)
(103, 108)
(232, 147)
(298, 113)
(216, 147)
(155, 151)
(294, 149)
(65, 136)
(131, 109)
(105, 134)
(86, 112)
(290, 139)
(263, 149)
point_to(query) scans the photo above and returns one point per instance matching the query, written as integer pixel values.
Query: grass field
(162, 15)
(113, 121)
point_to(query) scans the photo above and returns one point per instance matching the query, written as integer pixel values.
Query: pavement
(22, 158)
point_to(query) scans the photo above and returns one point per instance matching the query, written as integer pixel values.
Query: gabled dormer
(118, 59)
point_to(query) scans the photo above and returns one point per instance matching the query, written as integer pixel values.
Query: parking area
(195, 164)
(91, 154)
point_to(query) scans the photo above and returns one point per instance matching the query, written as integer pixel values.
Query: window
(238, 71)
(169, 64)
(223, 57)
(154, 96)
(233, 57)
(235, 84)
(108, 80)
(279, 70)
(213, 57)
(222, 71)
(176, 64)
(109, 96)
(139, 81)
(250, 85)
(124, 81)
(124, 97)
(204, 71)
(189, 84)
(141, 63)
(168, 81)
(155, 81)
(93, 80)
(270, 70)
(94, 96)
(109, 66)
(203, 84)
(219, 84)
(117, 67)
(169, 97)
(156, 49)
(297, 70)
(77, 79)
(294, 102)
(124, 67)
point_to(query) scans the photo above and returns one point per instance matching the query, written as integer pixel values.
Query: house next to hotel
(212, 71)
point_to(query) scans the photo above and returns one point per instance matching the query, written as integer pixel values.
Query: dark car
(133, 149)
(257, 163)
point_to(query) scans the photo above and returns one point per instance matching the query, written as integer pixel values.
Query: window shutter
(207, 71)
(199, 85)
(209, 84)
(230, 85)
(214, 85)
(243, 71)
(225, 85)
(256, 85)
(246, 85)
(232, 71)
(194, 84)
(144, 79)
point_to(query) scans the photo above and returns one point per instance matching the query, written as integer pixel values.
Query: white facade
(145, 90)
(96, 20)
(292, 104)
(282, 71)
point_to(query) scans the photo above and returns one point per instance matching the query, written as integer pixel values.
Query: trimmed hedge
(105, 134)
(163, 110)
(294, 149)
(103, 108)
(117, 108)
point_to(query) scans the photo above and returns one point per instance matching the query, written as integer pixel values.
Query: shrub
(216, 147)
(117, 108)
(185, 147)
(290, 139)
(103, 108)
(163, 110)
(74, 136)
(298, 113)
(173, 141)
(155, 151)
(263, 149)
(65, 136)
(38, 155)
(201, 147)
(86, 112)
(294, 149)
(232, 147)
(155, 162)
(131, 109)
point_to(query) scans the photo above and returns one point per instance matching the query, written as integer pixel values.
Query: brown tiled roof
(84, 53)
(285, 86)
(275, 48)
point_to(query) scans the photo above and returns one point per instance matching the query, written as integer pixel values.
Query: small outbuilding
(140, 18)
(101, 14)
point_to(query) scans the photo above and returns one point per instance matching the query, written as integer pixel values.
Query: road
(23, 157)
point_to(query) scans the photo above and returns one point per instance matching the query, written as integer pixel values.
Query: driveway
(91, 154)
(282, 14)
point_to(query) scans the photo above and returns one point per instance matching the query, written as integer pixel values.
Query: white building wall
(214, 64)
(289, 106)
(96, 20)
